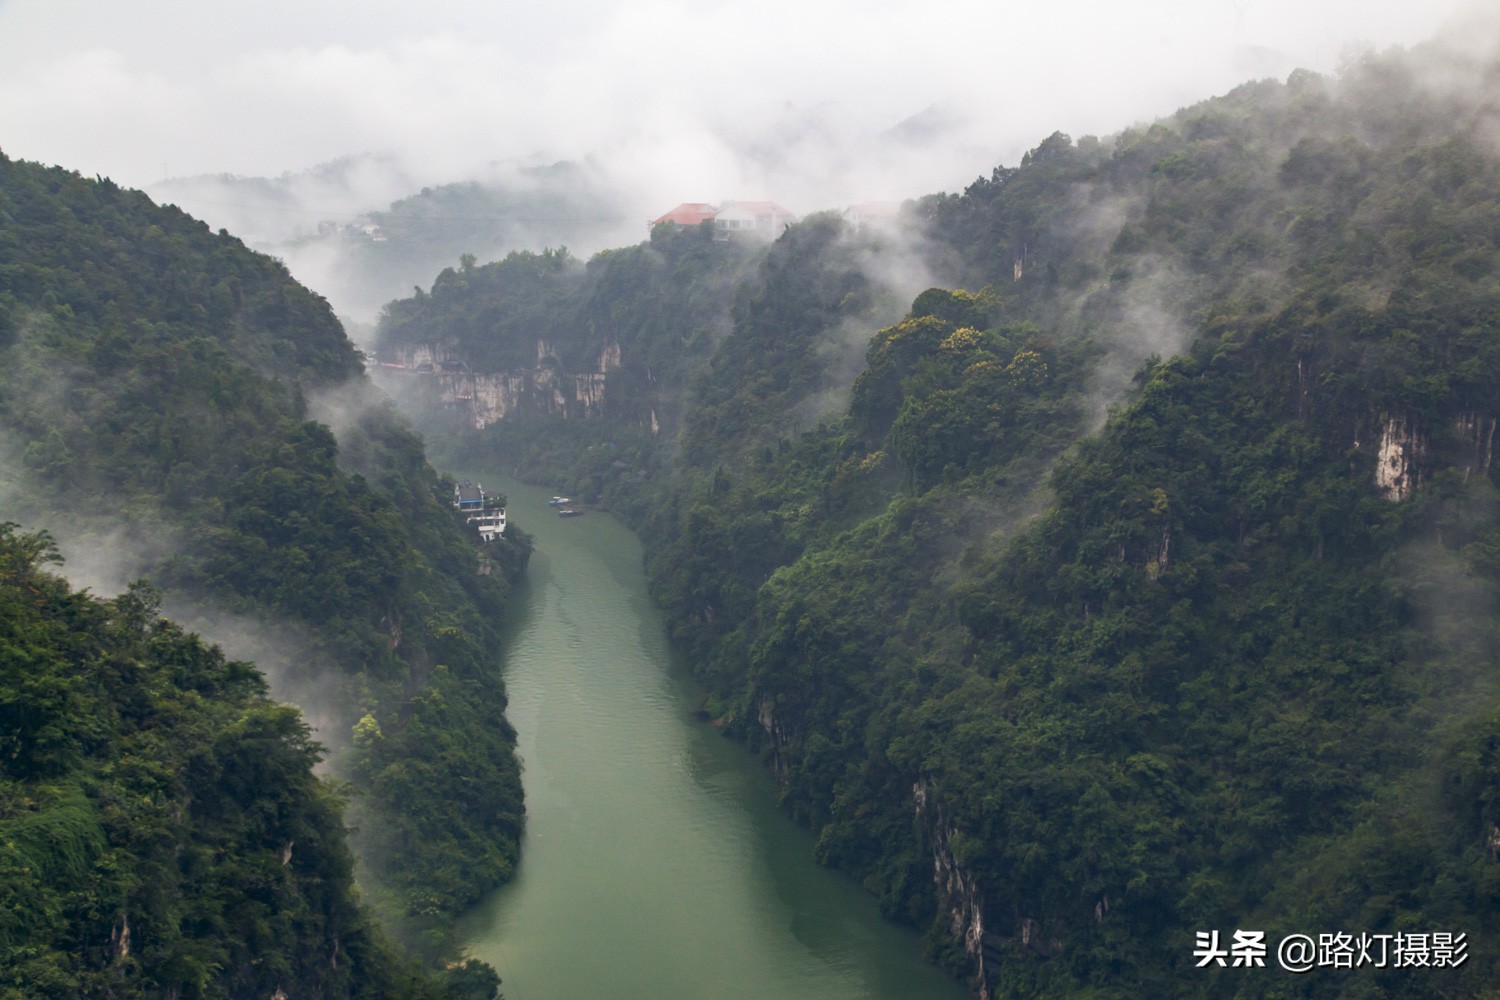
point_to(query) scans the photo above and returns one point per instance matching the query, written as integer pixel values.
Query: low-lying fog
(288, 123)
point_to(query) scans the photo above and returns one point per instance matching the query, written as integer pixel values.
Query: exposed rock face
(766, 716)
(485, 398)
(1398, 464)
(494, 396)
(1407, 457)
(588, 391)
(1478, 431)
(119, 938)
(417, 356)
(961, 897)
(962, 901)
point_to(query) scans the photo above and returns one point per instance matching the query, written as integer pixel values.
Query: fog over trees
(1099, 551)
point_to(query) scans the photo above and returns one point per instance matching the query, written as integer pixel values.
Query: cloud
(816, 106)
(219, 87)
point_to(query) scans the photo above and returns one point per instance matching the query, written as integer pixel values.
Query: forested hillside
(164, 832)
(622, 347)
(1141, 592)
(158, 395)
(386, 252)
(510, 346)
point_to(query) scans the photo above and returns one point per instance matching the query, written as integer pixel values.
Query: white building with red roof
(742, 218)
(688, 214)
(731, 219)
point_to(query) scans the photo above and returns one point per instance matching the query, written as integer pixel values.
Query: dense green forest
(164, 833)
(1140, 585)
(158, 399)
(664, 299)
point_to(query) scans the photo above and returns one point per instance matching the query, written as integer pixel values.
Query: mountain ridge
(1098, 609)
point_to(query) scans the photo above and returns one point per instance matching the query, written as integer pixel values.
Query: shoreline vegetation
(172, 385)
(1136, 579)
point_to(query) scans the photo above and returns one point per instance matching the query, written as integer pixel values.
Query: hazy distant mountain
(365, 229)
(1142, 592)
(932, 124)
(271, 210)
(826, 157)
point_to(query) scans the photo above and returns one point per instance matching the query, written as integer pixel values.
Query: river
(656, 865)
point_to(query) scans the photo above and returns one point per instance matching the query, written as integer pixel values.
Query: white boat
(559, 501)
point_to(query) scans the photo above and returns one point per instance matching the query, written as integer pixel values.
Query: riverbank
(655, 860)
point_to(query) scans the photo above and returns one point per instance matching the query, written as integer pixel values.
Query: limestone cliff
(1407, 455)
(1398, 463)
(1478, 432)
(962, 903)
(480, 399)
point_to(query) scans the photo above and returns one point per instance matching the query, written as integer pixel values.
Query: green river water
(655, 863)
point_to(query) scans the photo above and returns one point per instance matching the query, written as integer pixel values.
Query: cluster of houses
(761, 218)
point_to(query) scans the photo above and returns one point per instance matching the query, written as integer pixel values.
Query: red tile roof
(689, 213)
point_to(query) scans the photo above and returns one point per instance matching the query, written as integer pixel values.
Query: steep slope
(164, 832)
(1244, 662)
(508, 347)
(584, 375)
(1145, 590)
(158, 400)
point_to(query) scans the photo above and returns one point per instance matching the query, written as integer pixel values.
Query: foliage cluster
(155, 369)
(1216, 667)
(163, 831)
(1214, 648)
(667, 305)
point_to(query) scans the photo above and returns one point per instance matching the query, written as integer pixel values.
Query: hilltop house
(687, 215)
(731, 219)
(763, 218)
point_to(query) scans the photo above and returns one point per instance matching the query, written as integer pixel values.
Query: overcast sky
(143, 89)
